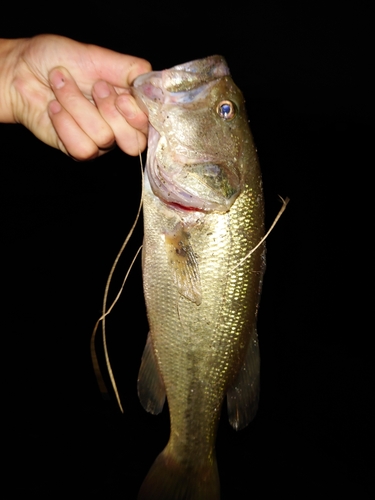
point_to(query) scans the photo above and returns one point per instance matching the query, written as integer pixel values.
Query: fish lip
(167, 186)
(181, 208)
(139, 100)
(191, 209)
(142, 88)
(177, 196)
(147, 77)
(206, 69)
(179, 83)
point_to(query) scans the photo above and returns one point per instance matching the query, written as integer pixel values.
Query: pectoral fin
(243, 396)
(151, 390)
(184, 264)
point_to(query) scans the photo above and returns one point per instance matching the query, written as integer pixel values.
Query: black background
(304, 70)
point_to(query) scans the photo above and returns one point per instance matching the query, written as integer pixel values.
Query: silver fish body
(203, 213)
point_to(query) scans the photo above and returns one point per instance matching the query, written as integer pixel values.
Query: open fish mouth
(183, 172)
(181, 80)
(189, 184)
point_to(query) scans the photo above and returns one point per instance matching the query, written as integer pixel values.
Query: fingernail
(55, 107)
(102, 89)
(126, 106)
(57, 79)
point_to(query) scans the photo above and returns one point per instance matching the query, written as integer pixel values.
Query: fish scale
(201, 292)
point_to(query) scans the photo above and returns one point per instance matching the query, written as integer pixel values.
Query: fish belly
(200, 339)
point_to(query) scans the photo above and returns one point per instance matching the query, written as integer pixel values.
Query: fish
(203, 213)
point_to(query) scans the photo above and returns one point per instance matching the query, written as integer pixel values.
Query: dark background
(304, 70)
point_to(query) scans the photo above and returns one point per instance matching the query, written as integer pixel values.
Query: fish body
(203, 213)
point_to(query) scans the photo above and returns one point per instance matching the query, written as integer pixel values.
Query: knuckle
(134, 147)
(71, 98)
(85, 152)
(106, 138)
(108, 110)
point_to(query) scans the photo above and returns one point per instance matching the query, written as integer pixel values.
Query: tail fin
(169, 480)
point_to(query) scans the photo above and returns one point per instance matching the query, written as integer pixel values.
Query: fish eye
(226, 110)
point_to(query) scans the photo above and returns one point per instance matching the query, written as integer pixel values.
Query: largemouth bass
(203, 214)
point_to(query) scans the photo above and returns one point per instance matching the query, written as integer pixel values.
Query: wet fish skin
(203, 213)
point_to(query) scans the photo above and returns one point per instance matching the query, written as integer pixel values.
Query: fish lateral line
(281, 211)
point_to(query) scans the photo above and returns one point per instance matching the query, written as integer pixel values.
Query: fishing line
(99, 377)
(281, 211)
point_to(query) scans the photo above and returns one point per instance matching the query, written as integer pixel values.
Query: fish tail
(170, 480)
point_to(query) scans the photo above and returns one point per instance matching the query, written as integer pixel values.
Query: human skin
(73, 96)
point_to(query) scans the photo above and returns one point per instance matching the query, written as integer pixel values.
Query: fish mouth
(198, 187)
(181, 208)
(179, 79)
(181, 84)
(183, 174)
(187, 185)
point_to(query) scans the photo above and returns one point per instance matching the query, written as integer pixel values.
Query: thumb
(120, 70)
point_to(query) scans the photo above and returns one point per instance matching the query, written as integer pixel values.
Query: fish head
(198, 132)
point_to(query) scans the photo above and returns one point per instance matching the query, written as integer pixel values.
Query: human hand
(75, 97)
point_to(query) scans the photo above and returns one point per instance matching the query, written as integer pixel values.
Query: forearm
(9, 52)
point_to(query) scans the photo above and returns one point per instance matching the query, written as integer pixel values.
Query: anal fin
(243, 396)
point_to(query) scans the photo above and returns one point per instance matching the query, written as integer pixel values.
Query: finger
(71, 139)
(128, 107)
(127, 138)
(120, 70)
(80, 108)
(136, 118)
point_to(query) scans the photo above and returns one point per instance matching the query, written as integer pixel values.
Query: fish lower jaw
(207, 207)
(182, 208)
